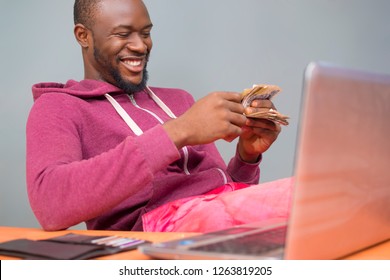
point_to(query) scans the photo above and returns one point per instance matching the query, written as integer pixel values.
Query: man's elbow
(50, 222)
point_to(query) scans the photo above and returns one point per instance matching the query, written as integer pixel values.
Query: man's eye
(146, 34)
(122, 35)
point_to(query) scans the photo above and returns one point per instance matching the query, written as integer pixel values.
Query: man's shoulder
(84, 89)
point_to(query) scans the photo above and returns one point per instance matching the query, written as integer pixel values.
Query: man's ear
(82, 35)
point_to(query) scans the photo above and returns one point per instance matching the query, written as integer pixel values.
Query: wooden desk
(378, 252)
(10, 233)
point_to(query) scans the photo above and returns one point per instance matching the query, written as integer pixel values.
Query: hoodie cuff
(244, 172)
(158, 149)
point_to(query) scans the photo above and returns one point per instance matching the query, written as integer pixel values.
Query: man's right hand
(218, 115)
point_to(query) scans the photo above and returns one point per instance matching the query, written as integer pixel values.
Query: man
(108, 149)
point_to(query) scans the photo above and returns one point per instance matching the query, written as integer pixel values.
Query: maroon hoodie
(84, 163)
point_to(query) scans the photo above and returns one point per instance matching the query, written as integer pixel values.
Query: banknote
(263, 91)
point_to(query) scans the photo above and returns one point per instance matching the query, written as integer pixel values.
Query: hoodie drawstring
(135, 128)
(129, 121)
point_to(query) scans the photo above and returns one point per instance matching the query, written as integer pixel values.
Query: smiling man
(115, 41)
(108, 149)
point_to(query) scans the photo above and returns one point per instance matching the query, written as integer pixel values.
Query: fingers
(263, 103)
(229, 115)
(229, 108)
(262, 123)
(218, 115)
(233, 105)
(230, 138)
(258, 106)
(228, 100)
(231, 96)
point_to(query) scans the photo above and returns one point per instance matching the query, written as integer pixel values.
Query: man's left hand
(257, 134)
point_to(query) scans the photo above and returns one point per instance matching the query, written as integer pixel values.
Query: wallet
(69, 247)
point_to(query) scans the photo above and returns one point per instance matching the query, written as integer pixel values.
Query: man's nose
(137, 44)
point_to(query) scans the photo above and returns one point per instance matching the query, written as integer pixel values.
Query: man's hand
(257, 134)
(218, 115)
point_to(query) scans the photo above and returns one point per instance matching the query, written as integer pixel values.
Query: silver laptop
(341, 201)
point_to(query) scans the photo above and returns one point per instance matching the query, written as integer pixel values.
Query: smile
(134, 64)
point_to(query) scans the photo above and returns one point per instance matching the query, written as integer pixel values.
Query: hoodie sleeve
(244, 172)
(56, 168)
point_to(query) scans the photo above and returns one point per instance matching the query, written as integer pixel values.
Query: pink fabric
(230, 205)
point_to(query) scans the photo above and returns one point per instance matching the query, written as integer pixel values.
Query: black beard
(127, 87)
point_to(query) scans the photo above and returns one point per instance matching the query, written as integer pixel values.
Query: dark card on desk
(69, 247)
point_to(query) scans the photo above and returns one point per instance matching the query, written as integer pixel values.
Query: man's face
(121, 44)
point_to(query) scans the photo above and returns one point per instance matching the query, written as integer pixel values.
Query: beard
(118, 80)
(126, 86)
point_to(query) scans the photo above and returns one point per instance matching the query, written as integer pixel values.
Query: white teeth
(133, 62)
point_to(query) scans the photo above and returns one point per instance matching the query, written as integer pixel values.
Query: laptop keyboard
(251, 244)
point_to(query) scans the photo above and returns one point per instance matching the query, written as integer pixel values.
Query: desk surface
(380, 251)
(10, 233)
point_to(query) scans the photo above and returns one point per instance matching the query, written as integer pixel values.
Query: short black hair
(84, 12)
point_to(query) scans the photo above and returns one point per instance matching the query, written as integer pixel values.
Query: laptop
(341, 200)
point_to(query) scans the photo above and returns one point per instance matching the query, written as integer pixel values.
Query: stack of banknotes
(263, 91)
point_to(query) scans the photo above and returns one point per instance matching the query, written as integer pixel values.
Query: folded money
(263, 91)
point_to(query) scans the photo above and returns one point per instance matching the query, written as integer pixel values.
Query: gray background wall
(201, 46)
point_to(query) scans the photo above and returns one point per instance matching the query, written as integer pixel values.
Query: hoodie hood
(82, 89)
